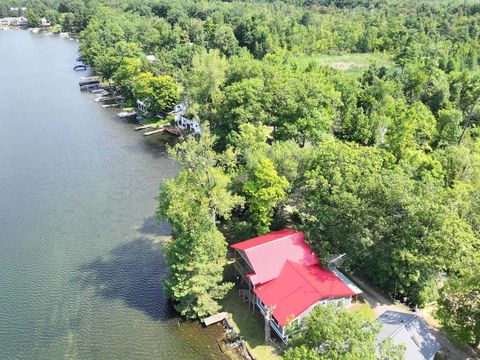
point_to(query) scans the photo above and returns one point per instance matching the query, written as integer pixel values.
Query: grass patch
(250, 326)
(361, 307)
(55, 28)
(354, 63)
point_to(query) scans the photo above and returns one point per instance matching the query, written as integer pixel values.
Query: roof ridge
(303, 275)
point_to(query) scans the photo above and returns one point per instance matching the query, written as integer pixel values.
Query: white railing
(279, 330)
(260, 306)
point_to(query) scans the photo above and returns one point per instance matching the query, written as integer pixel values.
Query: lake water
(80, 252)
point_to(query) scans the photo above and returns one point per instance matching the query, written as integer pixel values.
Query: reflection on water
(81, 265)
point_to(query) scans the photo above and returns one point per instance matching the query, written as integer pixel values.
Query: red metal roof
(267, 254)
(297, 288)
(287, 273)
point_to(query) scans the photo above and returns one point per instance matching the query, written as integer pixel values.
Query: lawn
(250, 326)
(363, 308)
(352, 63)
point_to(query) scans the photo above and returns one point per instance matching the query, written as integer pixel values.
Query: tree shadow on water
(134, 273)
(152, 227)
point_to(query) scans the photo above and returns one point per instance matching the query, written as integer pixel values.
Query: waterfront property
(284, 279)
(408, 329)
(14, 21)
(184, 123)
(44, 22)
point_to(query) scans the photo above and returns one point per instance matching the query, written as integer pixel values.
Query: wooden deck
(215, 318)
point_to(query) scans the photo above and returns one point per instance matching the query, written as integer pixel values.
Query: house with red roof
(284, 275)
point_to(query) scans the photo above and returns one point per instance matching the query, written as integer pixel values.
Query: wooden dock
(92, 80)
(142, 127)
(153, 132)
(111, 106)
(215, 318)
(171, 130)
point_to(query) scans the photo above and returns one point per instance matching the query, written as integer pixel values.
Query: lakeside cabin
(284, 279)
(184, 123)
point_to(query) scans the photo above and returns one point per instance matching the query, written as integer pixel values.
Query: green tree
(33, 18)
(108, 62)
(329, 333)
(413, 129)
(126, 73)
(192, 202)
(243, 102)
(160, 93)
(459, 308)
(205, 81)
(264, 191)
(448, 126)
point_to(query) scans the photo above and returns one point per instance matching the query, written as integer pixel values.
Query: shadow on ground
(133, 273)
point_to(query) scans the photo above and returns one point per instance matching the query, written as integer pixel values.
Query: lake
(81, 265)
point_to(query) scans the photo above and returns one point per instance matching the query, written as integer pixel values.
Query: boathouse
(284, 278)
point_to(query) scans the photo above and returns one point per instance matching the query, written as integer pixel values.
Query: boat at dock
(86, 83)
(80, 67)
(126, 114)
(99, 91)
(104, 98)
(111, 106)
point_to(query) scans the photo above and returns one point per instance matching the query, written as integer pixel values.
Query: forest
(354, 121)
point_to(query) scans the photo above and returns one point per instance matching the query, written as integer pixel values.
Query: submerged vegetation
(358, 117)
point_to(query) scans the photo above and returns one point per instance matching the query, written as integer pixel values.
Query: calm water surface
(80, 253)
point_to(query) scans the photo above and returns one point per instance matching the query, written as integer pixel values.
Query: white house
(184, 123)
(44, 22)
(142, 106)
(22, 21)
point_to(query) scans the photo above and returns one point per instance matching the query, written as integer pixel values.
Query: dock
(111, 106)
(215, 318)
(171, 130)
(87, 82)
(153, 132)
(104, 98)
(142, 127)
